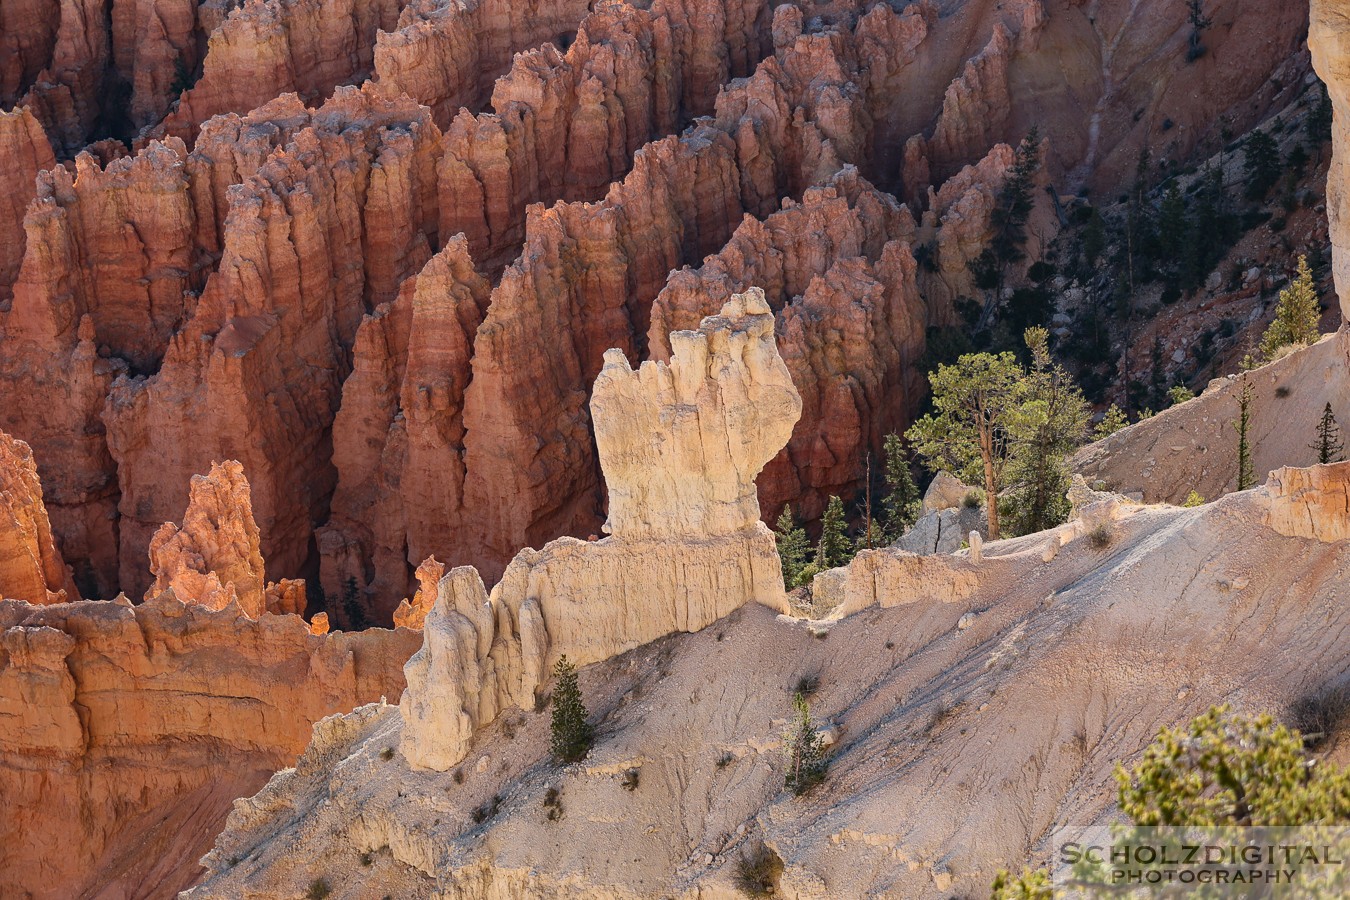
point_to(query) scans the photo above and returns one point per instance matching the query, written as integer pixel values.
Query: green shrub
(572, 734)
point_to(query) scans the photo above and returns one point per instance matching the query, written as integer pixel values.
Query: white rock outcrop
(1329, 41)
(680, 445)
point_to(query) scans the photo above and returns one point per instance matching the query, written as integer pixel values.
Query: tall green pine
(1298, 314)
(901, 504)
(792, 547)
(1246, 474)
(834, 548)
(572, 734)
(1328, 445)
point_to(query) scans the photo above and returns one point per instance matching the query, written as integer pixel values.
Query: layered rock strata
(31, 568)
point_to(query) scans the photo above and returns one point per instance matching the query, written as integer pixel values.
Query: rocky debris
(1310, 503)
(945, 676)
(1329, 41)
(945, 491)
(213, 558)
(680, 445)
(31, 568)
(130, 730)
(1193, 446)
(942, 530)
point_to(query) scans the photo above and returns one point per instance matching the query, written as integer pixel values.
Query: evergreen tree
(901, 504)
(1050, 423)
(1009, 223)
(352, 606)
(1224, 769)
(1298, 314)
(1094, 237)
(792, 547)
(1173, 233)
(572, 734)
(1318, 124)
(1261, 164)
(834, 549)
(1245, 474)
(967, 432)
(1113, 421)
(804, 750)
(1199, 22)
(1030, 885)
(1328, 444)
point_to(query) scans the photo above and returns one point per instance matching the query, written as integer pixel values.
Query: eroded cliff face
(130, 730)
(31, 569)
(1329, 41)
(587, 115)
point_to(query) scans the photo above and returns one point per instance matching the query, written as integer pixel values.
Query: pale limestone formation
(1329, 41)
(31, 568)
(1310, 503)
(213, 559)
(680, 445)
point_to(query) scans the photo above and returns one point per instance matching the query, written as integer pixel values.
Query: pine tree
(1261, 164)
(352, 606)
(1298, 314)
(1328, 444)
(804, 750)
(572, 734)
(901, 503)
(792, 547)
(1111, 422)
(967, 432)
(834, 549)
(1094, 237)
(1049, 424)
(1245, 475)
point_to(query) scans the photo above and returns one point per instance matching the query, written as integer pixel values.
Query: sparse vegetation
(807, 685)
(352, 606)
(1224, 768)
(553, 807)
(1111, 422)
(572, 734)
(631, 778)
(1328, 443)
(387, 754)
(1193, 499)
(318, 890)
(792, 547)
(1245, 474)
(1100, 537)
(487, 810)
(757, 872)
(1322, 713)
(726, 759)
(804, 750)
(1030, 885)
(1297, 315)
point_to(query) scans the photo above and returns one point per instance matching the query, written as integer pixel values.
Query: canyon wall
(31, 569)
(230, 265)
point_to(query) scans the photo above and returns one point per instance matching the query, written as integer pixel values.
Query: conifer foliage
(1328, 444)
(1297, 315)
(804, 750)
(901, 504)
(792, 547)
(572, 734)
(834, 548)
